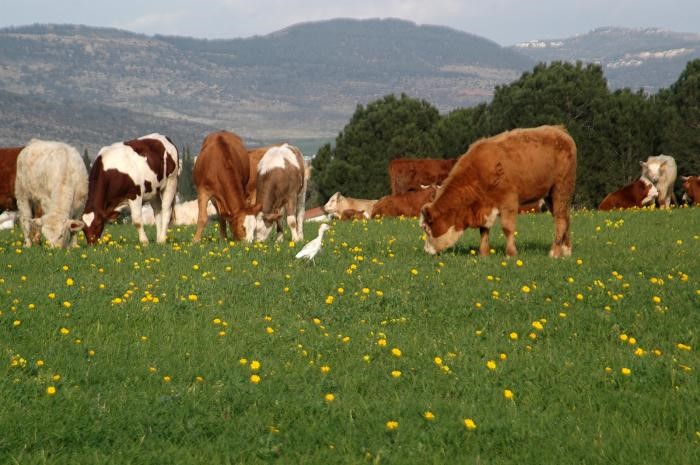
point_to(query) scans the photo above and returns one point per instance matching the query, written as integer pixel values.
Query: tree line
(613, 130)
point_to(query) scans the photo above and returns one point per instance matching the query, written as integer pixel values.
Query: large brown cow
(410, 174)
(494, 177)
(8, 172)
(637, 194)
(407, 204)
(691, 186)
(221, 173)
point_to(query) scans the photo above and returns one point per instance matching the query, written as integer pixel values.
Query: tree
(387, 128)
(459, 128)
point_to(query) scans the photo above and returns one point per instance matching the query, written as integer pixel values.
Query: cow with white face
(661, 170)
(132, 172)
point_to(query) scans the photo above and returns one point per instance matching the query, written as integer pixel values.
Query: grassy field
(377, 353)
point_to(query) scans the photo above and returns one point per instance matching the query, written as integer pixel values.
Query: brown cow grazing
(691, 186)
(338, 203)
(494, 177)
(410, 174)
(637, 194)
(8, 172)
(281, 185)
(221, 173)
(407, 204)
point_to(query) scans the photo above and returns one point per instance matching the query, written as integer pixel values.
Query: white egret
(310, 250)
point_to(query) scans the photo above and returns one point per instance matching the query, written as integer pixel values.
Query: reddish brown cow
(410, 174)
(350, 214)
(407, 204)
(221, 173)
(637, 194)
(494, 177)
(691, 186)
(254, 157)
(538, 206)
(8, 172)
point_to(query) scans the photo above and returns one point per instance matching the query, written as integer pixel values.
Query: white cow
(51, 175)
(661, 171)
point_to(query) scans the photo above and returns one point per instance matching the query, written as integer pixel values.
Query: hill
(302, 81)
(636, 58)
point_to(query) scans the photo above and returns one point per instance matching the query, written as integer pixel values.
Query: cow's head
(264, 223)
(57, 231)
(649, 191)
(653, 170)
(242, 223)
(441, 228)
(332, 205)
(94, 225)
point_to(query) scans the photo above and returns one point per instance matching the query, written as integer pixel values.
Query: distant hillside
(303, 81)
(636, 58)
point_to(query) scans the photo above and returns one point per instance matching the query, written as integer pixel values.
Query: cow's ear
(685, 178)
(76, 225)
(643, 164)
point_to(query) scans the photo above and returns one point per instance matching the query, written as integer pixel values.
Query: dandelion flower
(437, 361)
(508, 394)
(329, 397)
(396, 374)
(469, 424)
(513, 336)
(491, 365)
(625, 371)
(428, 415)
(682, 346)
(64, 331)
(391, 425)
(254, 365)
(396, 352)
(255, 379)
(525, 289)
(70, 282)
(51, 390)
(325, 369)
(656, 299)
(167, 379)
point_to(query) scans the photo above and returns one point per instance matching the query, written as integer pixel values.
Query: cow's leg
(25, 221)
(301, 210)
(167, 201)
(561, 247)
(202, 217)
(484, 245)
(157, 207)
(508, 218)
(137, 218)
(280, 229)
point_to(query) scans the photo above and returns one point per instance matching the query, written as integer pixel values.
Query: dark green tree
(459, 128)
(387, 128)
(185, 184)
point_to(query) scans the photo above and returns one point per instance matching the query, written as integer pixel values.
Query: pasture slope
(232, 353)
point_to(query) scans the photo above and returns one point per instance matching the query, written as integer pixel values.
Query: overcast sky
(504, 21)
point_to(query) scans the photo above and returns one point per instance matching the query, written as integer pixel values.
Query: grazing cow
(50, 175)
(662, 171)
(494, 177)
(8, 171)
(221, 173)
(637, 194)
(133, 172)
(691, 186)
(254, 157)
(338, 203)
(409, 174)
(406, 204)
(281, 185)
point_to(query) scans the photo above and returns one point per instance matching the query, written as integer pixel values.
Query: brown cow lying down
(637, 194)
(691, 186)
(410, 174)
(494, 177)
(407, 204)
(338, 203)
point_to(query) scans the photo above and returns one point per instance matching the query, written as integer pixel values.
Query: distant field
(377, 353)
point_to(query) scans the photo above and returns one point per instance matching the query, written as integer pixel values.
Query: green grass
(113, 405)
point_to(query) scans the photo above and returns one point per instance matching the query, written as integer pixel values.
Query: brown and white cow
(409, 174)
(494, 177)
(691, 186)
(221, 173)
(132, 172)
(254, 156)
(338, 203)
(50, 175)
(281, 186)
(8, 172)
(406, 204)
(636, 194)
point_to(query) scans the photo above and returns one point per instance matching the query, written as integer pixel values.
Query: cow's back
(408, 174)
(8, 172)
(406, 204)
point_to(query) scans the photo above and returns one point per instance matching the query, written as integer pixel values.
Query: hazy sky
(504, 21)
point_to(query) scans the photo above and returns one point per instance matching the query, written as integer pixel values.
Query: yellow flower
(579, 296)
(682, 346)
(341, 291)
(67, 304)
(503, 357)
(525, 289)
(438, 361)
(69, 282)
(537, 325)
(269, 330)
(396, 374)
(243, 361)
(52, 295)
(329, 397)
(396, 352)
(625, 371)
(392, 425)
(381, 342)
(192, 297)
(656, 299)
(51, 390)
(491, 365)
(254, 365)
(508, 394)
(16, 323)
(414, 272)
(428, 415)
(56, 377)
(469, 424)
(167, 379)
(255, 379)
(329, 299)
(325, 369)
(199, 379)
(64, 331)
(519, 263)
(513, 336)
